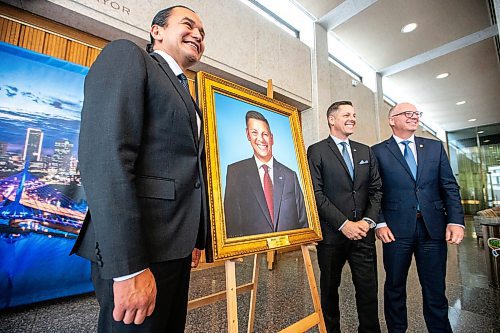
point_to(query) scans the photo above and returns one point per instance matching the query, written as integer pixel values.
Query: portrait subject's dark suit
(245, 207)
(340, 198)
(140, 158)
(435, 193)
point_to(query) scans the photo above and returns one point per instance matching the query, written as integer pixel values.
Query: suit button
(100, 263)
(97, 251)
(353, 192)
(197, 185)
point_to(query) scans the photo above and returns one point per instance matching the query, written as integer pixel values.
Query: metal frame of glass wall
(475, 160)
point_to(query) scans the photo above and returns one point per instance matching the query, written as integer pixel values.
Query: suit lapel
(356, 158)
(278, 184)
(252, 174)
(421, 156)
(392, 145)
(186, 97)
(334, 148)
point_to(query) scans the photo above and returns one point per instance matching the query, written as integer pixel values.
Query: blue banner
(42, 203)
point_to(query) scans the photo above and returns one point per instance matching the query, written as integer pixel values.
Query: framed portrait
(259, 187)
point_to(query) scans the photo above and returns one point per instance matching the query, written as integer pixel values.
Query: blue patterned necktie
(347, 159)
(184, 81)
(410, 159)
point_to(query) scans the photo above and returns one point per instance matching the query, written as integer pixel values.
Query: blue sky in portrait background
(233, 143)
(50, 99)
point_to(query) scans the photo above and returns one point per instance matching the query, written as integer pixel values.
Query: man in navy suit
(262, 195)
(421, 211)
(347, 188)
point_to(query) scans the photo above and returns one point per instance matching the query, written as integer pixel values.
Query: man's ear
(391, 121)
(331, 121)
(155, 32)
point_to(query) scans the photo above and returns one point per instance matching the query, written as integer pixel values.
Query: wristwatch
(371, 223)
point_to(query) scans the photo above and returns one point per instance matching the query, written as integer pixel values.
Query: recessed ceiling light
(480, 132)
(486, 141)
(442, 75)
(460, 103)
(472, 119)
(409, 28)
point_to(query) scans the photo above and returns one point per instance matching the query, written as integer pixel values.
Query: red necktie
(268, 191)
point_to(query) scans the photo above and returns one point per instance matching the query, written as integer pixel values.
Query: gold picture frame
(227, 145)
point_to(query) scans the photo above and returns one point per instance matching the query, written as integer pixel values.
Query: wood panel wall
(41, 35)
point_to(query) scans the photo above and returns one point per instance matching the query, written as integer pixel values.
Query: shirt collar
(339, 141)
(260, 163)
(399, 140)
(174, 66)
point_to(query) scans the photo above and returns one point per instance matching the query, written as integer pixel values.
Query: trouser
(362, 258)
(430, 257)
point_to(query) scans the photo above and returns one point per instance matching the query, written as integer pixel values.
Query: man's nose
(197, 34)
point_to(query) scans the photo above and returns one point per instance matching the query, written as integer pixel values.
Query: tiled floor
(283, 298)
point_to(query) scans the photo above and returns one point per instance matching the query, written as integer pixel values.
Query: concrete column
(315, 118)
(379, 103)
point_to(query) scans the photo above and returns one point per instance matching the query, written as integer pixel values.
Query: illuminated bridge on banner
(31, 204)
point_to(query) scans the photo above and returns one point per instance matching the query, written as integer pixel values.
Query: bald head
(404, 119)
(401, 107)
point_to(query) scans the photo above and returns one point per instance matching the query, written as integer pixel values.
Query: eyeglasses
(409, 114)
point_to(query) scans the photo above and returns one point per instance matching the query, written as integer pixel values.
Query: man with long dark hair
(141, 155)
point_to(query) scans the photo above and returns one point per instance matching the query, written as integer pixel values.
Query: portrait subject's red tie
(268, 191)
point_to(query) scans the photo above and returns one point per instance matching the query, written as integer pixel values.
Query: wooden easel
(232, 290)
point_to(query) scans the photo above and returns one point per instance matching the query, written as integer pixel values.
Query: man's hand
(355, 230)
(135, 298)
(454, 234)
(385, 234)
(195, 258)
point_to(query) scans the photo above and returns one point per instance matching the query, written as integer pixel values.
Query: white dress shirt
(270, 169)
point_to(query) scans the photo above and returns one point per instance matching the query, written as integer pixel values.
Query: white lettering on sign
(115, 5)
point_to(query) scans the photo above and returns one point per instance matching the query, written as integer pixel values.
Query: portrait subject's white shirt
(270, 164)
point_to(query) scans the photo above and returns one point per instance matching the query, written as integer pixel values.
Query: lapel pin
(280, 177)
(354, 150)
(421, 146)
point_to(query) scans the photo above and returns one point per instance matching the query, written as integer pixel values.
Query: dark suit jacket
(141, 163)
(435, 189)
(245, 206)
(338, 197)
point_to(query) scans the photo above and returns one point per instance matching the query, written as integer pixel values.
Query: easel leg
(253, 293)
(313, 288)
(270, 256)
(232, 306)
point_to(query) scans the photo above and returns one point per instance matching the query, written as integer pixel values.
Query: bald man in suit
(421, 211)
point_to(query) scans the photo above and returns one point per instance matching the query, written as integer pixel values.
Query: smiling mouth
(194, 45)
(262, 147)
